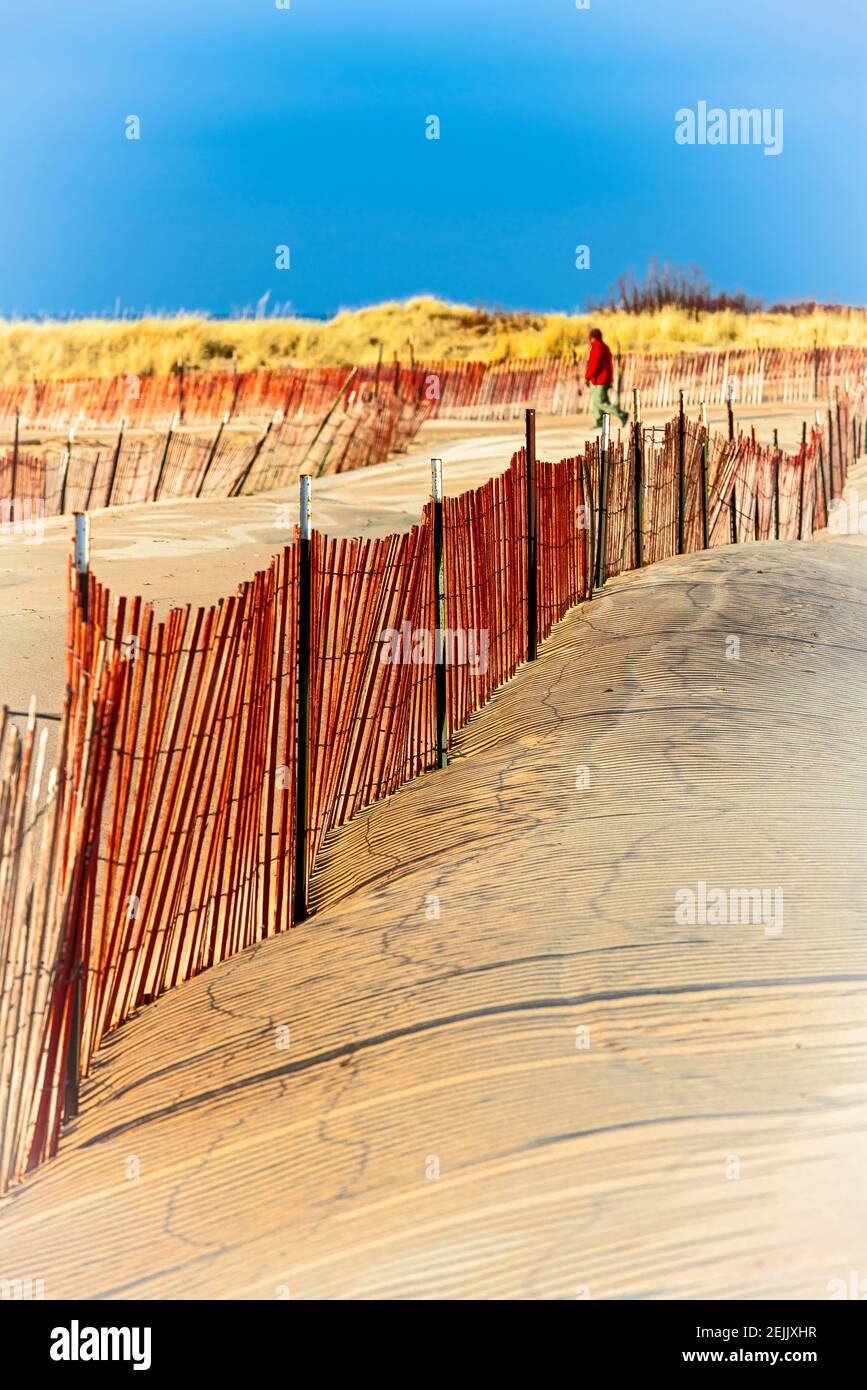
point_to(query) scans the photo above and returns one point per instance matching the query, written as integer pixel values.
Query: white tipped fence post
(303, 678)
(81, 554)
(306, 501)
(436, 470)
(82, 559)
(603, 503)
(439, 571)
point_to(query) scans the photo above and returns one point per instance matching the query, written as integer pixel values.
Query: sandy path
(711, 1139)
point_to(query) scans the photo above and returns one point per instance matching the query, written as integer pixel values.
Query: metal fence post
(824, 480)
(212, 453)
(245, 472)
(733, 504)
(532, 577)
(705, 510)
(589, 535)
(801, 486)
(638, 482)
(303, 677)
(681, 479)
(164, 458)
(761, 372)
(439, 570)
(114, 463)
(602, 530)
(236, 385)
(754, 441)
(378, 365)
(14, 481)
(335, 403)
(67, 459)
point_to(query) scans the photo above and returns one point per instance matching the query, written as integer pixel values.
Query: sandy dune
(495, 1064)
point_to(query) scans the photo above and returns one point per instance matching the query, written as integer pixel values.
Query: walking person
(599, 375)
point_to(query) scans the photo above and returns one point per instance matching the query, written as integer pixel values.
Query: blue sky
(306, 127)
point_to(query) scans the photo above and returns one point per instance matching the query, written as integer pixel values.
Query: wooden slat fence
(165, 840)
(480, 390)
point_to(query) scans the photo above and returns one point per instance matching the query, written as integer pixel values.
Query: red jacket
(599, 370)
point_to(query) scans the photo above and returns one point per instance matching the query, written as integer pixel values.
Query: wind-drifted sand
(616, 1104)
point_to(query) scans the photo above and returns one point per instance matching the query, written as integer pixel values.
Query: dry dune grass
(104, 347)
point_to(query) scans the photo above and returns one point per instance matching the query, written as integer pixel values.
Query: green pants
(601, 405)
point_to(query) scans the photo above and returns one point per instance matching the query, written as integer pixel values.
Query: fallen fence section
(167, 839)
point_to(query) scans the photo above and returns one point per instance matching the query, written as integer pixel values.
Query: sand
(495, 1064)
